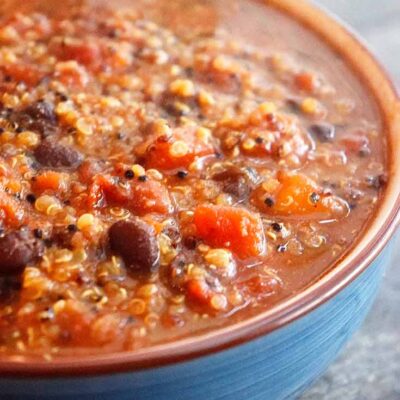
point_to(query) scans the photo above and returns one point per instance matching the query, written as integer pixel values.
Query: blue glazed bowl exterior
(279, 365)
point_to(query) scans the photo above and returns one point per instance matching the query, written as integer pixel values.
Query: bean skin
(136, 242)
(234, 181)
(55, 155)
(17, 249)
(38, 117)
(323, 132)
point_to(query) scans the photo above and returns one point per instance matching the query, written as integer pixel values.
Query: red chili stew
(169, 167)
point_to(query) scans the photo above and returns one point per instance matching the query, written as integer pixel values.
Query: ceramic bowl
(276, 354)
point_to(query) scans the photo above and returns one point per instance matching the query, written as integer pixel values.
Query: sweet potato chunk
(296, 194)
(237, 229)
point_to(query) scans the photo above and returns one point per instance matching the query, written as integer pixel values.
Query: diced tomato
(198, 291)
(150, 196)
(74, 320)
(11, 213)
(107, 328)
(141, 197)
(85, 53)
(306, 81)
(50, 180)
(88, 169)
(96, 194)
(29, 74)
(234, 228)
(72, 74)
(177, 151)
(172, 320)
(262, 285)
(354, 143)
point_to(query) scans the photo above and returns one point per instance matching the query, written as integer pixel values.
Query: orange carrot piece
(306, 81)
(296, 194)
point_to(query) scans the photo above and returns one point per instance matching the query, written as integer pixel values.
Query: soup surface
(169, 167)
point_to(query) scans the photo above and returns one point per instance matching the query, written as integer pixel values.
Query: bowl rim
(351, 48)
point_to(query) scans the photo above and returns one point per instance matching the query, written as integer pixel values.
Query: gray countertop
(369, 367)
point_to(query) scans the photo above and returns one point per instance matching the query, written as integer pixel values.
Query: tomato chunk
(141, 197)
(306, 81)
(85, 53)
(11, 213)
(177, 151)
(74, 320)
(50, 180)
(237, 229)
(198, 291)
(356, 143)
(29, 74)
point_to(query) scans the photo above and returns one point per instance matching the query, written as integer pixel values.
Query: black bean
(190, 242)
(234, 181)
(293, 105)
(42, 110)
(38, 117)
(323, 132)
(62, 236)
(55, 155)
(136, 242)
(17, 249)
(9, 287)
(174, 275)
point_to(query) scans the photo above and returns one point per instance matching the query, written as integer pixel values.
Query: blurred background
(369, 368)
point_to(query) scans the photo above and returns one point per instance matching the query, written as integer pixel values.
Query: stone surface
(369, 367)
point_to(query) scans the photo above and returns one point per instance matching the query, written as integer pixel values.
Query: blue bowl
(280, 365)
(275, 355)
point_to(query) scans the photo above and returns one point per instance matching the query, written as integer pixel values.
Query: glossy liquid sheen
(243, 153)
